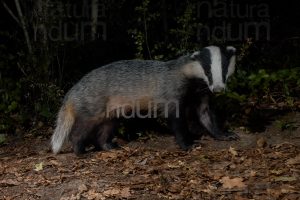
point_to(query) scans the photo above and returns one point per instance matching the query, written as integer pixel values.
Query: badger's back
(123, 82)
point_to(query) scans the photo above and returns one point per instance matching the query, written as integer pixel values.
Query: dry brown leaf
(287, 189)
(275, 193)
(125, 192)
(261, 142)
(55, 162)
(207, 190)
(229, 183)
(82, 188)
(238, 197)
(294, 161)
(8, 182)
(253, 173)
(92, 194)
(107, 155)
(112, 192)
(285, 179)
(233, 151)
(276, 172)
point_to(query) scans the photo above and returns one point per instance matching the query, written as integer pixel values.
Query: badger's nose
(218, 89)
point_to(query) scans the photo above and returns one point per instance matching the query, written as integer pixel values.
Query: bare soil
(259, 166)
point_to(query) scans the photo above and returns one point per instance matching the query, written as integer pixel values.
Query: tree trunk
(41, 17)
(94, 19)
(164, 20)
(23, 25)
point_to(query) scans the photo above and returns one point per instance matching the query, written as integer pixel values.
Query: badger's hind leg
(105, 135)
(81, 134)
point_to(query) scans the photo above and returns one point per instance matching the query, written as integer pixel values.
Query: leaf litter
(252, 168)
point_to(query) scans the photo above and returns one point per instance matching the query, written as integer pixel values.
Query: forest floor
(259, 166)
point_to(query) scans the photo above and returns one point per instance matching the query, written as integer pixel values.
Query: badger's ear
(230, 50)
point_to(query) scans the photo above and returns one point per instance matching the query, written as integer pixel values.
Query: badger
(178, 90)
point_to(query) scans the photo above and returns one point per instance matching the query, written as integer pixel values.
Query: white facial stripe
(216, 67)
(230, 48)
(195, 70)
(195, 54)
(231, 66)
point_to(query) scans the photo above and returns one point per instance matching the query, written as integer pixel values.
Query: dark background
(33, 81)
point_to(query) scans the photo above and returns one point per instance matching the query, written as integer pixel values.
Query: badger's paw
(109, 146)
(227, 136)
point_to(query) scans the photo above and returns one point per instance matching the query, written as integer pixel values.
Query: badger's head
(214, 65)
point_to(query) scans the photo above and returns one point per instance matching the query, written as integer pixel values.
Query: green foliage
(185, 31)
(2, 139)
(281, 84)
(286, 125)
(27, 101)
(25, 95)
(140, 34)
(150, 46)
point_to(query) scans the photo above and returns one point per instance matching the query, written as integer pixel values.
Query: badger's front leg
(207, 119)
(179, 126)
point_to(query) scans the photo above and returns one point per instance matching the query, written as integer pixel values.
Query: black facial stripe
(226, 56)
(225, 64)
(205, 60)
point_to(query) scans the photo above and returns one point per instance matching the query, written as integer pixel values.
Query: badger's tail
(65, 121)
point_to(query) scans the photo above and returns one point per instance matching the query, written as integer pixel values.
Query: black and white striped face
(214, 65)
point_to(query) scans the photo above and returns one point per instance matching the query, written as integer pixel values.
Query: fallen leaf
(55, 162)
(107, 155)
(238, 197)
(125, 192)
(261, 142)
(276, 172)
(38, 167)
(231, 183)
(82, 188)
(253, 173)
(142, 162)
(111, 192)
(287, 189)
(274, 193)
(294, 161)
(233, 151)
(207, 190)
(172, 166)
(9, 182)
(285, 179)
(92, 194)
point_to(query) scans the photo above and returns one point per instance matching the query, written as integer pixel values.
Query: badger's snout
(218, 89)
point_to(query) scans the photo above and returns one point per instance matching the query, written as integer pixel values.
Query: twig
(23, 26)
(146, 36)
(11, 13)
